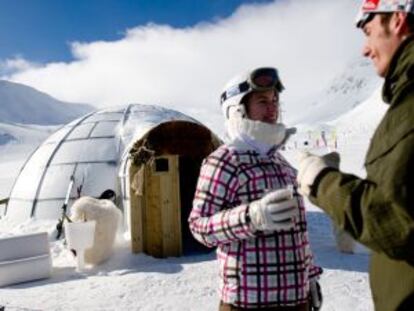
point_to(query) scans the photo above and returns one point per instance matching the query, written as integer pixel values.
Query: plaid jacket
(256, 268)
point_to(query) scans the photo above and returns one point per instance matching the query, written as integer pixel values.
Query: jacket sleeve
(214, 218)
(377, 211)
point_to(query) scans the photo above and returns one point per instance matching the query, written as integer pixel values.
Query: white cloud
(185, 69)
(16, 64)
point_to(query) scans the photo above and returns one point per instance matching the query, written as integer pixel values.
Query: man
(246, 205)
(379, 211)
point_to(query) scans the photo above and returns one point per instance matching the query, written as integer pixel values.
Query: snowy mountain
(365, 116)
(346, 91)
(24, 133)
(23, 104)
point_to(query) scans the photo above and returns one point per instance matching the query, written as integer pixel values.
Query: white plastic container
(24, 258)
(80, 236)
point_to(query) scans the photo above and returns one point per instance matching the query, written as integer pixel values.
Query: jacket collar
(400, 76)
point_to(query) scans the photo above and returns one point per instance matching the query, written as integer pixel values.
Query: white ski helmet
(369, 7)
(259, 79)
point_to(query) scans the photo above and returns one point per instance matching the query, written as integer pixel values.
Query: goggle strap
(235, 90)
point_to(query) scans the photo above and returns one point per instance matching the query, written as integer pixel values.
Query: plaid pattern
(256, 268)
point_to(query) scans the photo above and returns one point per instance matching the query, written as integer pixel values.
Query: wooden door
(162, 208)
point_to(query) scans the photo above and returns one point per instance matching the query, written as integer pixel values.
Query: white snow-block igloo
(149, 155)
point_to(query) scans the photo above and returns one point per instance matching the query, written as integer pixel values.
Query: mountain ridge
(349, 89)
(23, 104)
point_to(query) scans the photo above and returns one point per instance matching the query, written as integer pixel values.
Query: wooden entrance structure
(164, 175)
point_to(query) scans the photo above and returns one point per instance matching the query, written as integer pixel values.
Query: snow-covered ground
(139, 282)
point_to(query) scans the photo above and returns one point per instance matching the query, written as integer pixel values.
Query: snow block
(24, 258)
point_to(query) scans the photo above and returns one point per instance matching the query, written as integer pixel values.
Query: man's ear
(399, 23)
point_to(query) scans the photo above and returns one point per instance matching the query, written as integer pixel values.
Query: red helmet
(369, 7)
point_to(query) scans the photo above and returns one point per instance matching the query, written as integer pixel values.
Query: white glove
(311, 165)
(276, 210)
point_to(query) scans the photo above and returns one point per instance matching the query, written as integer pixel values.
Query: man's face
(263, 106)
(381, 42)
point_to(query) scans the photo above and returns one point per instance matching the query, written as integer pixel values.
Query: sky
(178, 54)
(43, 29)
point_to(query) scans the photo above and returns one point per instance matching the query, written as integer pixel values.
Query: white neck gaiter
(260, 135)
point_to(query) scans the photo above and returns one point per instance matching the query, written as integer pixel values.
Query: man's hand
(311, 165)
(275, 211)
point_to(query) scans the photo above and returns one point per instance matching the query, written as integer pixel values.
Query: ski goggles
(261, 79)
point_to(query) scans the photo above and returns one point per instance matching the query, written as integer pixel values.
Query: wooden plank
(152, 219)
(176, 211)
(170, 206)
(136, 202)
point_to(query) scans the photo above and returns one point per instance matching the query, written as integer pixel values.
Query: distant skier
(246, 205)
(323, 138)
(379, 211)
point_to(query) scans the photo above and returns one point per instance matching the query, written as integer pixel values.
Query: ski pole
(59, 226)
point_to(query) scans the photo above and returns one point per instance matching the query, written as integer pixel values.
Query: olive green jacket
(379, 211)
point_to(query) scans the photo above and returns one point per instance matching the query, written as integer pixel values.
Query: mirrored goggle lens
(264, 78)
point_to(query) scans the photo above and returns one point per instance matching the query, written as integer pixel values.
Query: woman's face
(263, 106)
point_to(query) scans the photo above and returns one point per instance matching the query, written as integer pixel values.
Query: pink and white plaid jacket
(257, 268)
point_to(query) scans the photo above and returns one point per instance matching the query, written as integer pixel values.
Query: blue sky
(41, 30)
